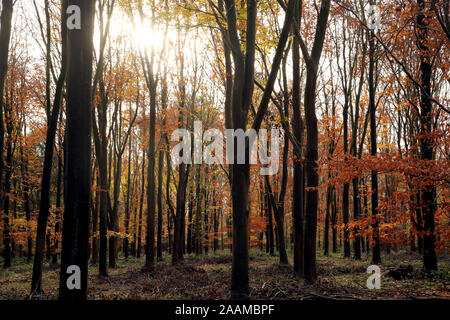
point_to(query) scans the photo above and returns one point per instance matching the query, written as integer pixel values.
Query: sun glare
(146, 37)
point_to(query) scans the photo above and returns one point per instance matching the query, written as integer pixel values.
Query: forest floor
(209, 277)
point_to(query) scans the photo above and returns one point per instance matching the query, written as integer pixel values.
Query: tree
(428, 194)
(312, 63)
(242, 92)
(376, 257)
(78, 171)
(99, 129)
(36, 282)
(5, 36)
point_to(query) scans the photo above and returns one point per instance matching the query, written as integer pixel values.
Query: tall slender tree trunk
(312, 141)
(151, 184)
(7, 254)
(298, 128)
(334, 221)
(141, 204)
(190, 226)
(326, 231)
(95, 222)
(75, 236)
(376, 257)
(58, 213)
(356, 209)
(271, 239)
(5, 37)
(36, 282)
(428, 193)
(114, 217)
(128, 209)
(160, 203)
(312, 178)
(345, 193)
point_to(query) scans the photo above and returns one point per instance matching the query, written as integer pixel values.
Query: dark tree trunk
(26, 202)
(198, 210)
(160, 204)
(5, 37)
(206, 214)
(58, 208)
(141, 204)
(48, 245)
(299, 184)
(151, 156)
(426, 143)
(7, 253)
(178, 236)
(128, 209)
(312, 178)
(311, 156)
(95, 223)
(36, 286)
(75, 235)
(114, 214)
(345, 193)
(242, 93)
(190, 223)
(326, 235)
(168, 201)
(177, 253)
(278, 203)
(334, 221)
(270, 226)
(376, 257)
(357, 242)
(216, 227)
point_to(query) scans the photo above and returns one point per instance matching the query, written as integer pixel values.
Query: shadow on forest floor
(208, 277)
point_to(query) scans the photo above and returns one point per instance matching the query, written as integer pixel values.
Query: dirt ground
(208, 277)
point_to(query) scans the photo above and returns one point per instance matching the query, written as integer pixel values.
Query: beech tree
(36, 282)
(5, 36)
(312, 64)
(78, 125)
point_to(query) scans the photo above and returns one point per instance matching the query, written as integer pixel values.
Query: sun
(141, 35)
(147, 37)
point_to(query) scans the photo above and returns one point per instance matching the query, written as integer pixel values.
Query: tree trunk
(426, 144)
(334, 221)
(7, 254)
(95, 220)
(312, 178)
(190, 228)
(376, 257)
(79, 103)
(345, 193)
(298, 128)
(36, 282)
(160, 206)
(5, 37)
(128, 209)
(311, 157)
(141, 204)
(326, 235)
(270, 226)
